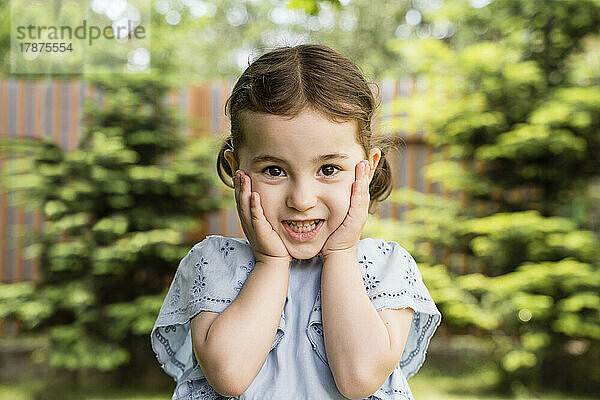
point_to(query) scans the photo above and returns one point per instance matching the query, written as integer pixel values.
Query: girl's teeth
(303, 227)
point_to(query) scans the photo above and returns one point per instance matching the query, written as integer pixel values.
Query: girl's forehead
(307, 130)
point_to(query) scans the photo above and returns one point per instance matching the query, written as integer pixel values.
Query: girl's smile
(303, 168)
(302, 231)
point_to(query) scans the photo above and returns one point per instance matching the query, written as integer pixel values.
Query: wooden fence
(53, 108)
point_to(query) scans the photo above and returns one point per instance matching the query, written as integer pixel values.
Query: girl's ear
(374, 157)
(233, 164)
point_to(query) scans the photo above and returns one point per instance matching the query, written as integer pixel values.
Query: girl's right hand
(265, 242)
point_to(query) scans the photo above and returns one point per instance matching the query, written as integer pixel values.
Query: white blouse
(211, 275)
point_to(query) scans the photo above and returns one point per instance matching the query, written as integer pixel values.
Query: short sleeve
(208, 278)
(393, 280)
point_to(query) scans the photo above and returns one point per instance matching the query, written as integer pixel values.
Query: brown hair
(289, 79)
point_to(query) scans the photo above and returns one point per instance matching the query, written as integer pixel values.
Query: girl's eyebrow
(316, 160)
(329, 157)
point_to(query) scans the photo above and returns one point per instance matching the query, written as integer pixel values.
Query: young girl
(303, 308)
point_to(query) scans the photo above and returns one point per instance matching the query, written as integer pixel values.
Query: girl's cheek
(341, 199)
(268, 200)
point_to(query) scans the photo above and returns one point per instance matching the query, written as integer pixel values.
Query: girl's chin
(304, 252)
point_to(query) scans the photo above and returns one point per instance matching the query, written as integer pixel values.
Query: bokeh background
(108, 180)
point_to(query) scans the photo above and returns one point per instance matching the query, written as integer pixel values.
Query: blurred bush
(512, 103)
(116, 210)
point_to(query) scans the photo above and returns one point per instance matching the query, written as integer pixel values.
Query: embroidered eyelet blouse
(213, 272)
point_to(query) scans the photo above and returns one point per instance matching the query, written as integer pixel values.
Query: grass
(25, 391)
(430, 384)
(425, 386)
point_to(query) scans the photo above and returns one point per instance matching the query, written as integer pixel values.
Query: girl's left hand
(346, 236)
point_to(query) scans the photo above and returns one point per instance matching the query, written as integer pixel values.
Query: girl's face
(303, 169)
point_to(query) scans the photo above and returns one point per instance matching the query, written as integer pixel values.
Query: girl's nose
(301, 196)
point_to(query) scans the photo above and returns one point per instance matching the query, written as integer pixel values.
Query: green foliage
(513, 100)
(116, 209)
(537, 293)
(137, 316)
(4, 35)
(73, 348)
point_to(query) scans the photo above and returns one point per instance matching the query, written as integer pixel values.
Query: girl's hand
(265, 242)
(346, 236)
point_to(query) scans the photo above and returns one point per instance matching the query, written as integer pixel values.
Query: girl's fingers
(257, 229)
(255, 209)
(360, 185)
(243, 197)
(366, 170)
(259, 221)
(251, 211)
(365, 178)
(236, 189)
(360, 191)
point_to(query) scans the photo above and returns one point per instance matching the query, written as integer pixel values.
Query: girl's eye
(329, 170)
(273, 171)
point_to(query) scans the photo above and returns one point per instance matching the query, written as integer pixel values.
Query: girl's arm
(232, 350)
(363, 345)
